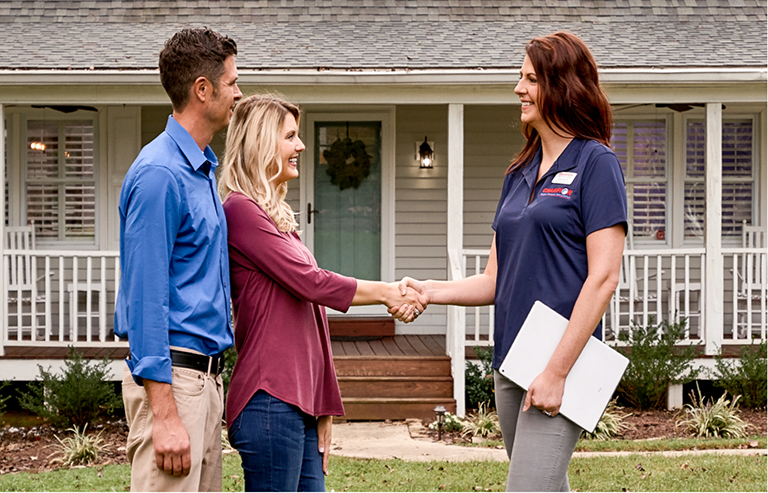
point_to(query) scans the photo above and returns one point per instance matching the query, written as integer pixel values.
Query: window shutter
(737, 176)
(60, 179)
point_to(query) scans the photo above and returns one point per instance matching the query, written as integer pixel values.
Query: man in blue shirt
(174, 301)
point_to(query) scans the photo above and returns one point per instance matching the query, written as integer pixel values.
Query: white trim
(388, 76)
(19, 138)
(2, 230)
(387, 118)
(713, 273)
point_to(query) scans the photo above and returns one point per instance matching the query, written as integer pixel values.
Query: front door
(345, 207)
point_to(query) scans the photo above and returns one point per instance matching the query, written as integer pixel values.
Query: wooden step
(427, 366)
(361, 409)
(396, 387)
(360, 328)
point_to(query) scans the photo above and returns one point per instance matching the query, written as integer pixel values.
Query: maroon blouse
(279, 296)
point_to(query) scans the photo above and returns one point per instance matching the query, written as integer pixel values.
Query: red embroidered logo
(564, 192)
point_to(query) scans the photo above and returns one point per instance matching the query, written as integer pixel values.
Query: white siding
(492, 139)
(421, 206)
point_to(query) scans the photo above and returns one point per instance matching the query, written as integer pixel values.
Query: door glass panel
(347, 190)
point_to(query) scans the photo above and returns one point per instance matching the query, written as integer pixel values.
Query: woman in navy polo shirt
(560, 227)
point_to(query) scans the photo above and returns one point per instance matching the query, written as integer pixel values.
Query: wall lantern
(440, 417)
(426, 154)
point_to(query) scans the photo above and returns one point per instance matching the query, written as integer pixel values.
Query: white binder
(592, 380)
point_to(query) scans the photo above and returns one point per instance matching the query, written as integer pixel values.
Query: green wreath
(348, 163)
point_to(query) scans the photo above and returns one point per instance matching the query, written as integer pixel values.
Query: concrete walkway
(408, 442)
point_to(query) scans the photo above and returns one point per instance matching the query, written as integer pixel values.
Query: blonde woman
(283, 391)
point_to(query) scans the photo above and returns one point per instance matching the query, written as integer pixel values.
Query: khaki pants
(199, 399)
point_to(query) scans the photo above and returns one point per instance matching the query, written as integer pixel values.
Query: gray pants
(539, 447)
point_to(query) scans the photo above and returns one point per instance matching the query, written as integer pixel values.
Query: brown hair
(252, 157)
(189, 54)
(570, 98)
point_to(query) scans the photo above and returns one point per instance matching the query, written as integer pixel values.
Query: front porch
(72, 299)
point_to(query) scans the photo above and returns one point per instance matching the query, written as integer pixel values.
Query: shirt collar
(189, 147)
(567, 160)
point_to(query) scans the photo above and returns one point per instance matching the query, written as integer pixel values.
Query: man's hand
(171, 441)
(324, 439)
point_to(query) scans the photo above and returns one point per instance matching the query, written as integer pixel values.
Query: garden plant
(478, 379)
(81, 394)
(655, 362)
(704, 419)
(748, 377)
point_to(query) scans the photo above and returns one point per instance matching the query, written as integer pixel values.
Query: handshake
(411, 300)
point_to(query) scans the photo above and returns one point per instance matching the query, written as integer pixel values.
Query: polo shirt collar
(189, 147)
(567, 160)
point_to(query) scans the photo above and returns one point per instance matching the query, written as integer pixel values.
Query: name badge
(564, 178)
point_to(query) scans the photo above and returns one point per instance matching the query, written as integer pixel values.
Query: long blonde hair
(252, 157)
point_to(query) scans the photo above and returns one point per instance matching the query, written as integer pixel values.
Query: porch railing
(654, 285)
(63, 298)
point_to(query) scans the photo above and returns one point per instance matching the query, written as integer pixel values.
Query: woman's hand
(324, 439)
(545, 393)
(409, 288)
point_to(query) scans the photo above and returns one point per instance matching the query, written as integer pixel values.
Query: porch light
(440, 417)
(426, 155)
(37, 146)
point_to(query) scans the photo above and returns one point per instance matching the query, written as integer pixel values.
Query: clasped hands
(413, 300)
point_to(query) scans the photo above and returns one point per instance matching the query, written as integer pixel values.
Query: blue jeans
(278, 446)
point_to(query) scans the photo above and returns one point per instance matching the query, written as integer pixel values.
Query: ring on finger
(415, 312)
(547, 413)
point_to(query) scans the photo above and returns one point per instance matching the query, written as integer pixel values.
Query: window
(737, 175)
(60, 183)
(641, 146)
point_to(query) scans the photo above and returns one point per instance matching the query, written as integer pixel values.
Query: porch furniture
(634, 290)
(750, 283)
(22, 283)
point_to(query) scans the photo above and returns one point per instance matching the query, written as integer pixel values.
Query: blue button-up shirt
(174, 289)
(541, 233)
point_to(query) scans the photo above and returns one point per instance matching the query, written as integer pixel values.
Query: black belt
(206, 364)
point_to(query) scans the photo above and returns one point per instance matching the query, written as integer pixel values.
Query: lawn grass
(630, 473)
(660, 445)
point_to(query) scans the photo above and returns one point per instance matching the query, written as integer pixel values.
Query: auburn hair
(252, 158)
(569, 95)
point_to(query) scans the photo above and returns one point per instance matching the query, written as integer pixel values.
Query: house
(80, 95)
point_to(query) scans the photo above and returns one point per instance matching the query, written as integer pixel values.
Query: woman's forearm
(604, 250)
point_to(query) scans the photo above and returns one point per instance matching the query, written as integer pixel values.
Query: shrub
(479, 379)
(230, 358)
(451, 422)
(655, 363)
(77, 397)
(748, 378)
(3, 399)
(482, 423)
(79, 449)
(611, 424)
(705, 420)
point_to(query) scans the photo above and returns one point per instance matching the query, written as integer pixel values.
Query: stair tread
(396, 399)
(396, 378)
(395, 358)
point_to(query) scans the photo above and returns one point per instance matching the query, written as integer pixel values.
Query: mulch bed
(33, 448)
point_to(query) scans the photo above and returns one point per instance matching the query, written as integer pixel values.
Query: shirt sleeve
(604, 195)
(152, 220)
(254, 239)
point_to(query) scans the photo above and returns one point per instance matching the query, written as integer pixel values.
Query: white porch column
(3, 280)
(455, 237)
(713, 272)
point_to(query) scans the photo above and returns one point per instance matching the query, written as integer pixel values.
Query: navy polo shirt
(541, 245)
